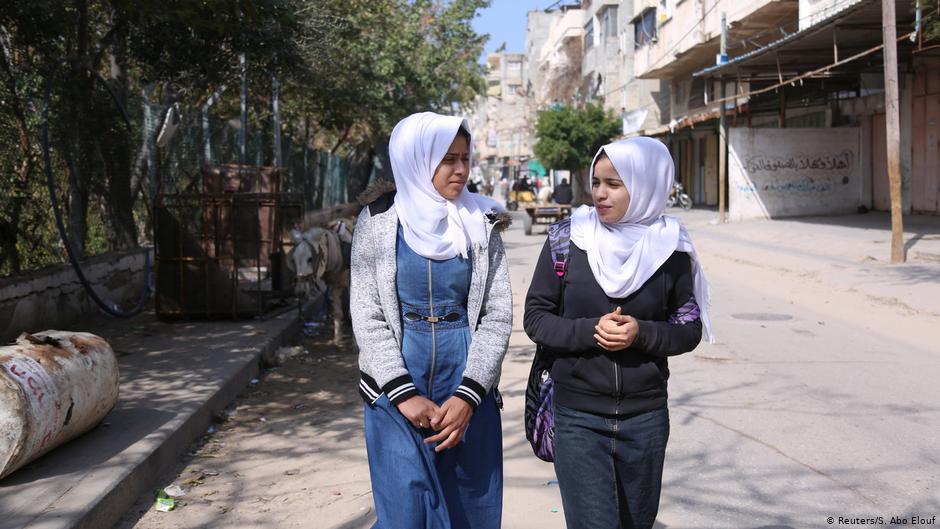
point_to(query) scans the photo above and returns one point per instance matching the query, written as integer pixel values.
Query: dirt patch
(289, 449)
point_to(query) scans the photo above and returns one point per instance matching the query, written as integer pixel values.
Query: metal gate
(221, 253)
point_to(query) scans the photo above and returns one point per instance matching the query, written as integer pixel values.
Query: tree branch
(106, 41)
(341, 139)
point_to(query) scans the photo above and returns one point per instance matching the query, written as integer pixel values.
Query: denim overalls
(414, 487)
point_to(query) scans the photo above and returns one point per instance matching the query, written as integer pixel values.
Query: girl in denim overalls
(432, 314)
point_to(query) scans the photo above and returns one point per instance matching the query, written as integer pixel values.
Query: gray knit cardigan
(376, 315)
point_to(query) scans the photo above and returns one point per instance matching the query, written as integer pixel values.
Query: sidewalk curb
(107, 509)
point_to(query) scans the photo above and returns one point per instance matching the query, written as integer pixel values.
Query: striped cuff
(471, 392)
(368, 389)
(400, 389)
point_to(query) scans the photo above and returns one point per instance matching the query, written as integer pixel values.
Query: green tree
(97, 56)
(391, 58)
(347, 71)
(568, 137)
(930, 19)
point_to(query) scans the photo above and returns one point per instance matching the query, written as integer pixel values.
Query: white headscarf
(624, 255)
(434, 227)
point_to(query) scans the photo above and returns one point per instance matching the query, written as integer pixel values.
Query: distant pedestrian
(631, 294)
(563, 194)
(432, 313)
(472, 187)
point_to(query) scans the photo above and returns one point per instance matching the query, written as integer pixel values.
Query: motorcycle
(680, 197)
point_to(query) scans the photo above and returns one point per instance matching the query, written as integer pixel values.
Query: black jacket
(562, 194)
(591, 379)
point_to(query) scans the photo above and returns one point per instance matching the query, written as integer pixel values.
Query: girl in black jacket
(633, 295)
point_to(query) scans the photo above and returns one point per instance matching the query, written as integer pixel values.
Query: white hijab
(624, 255)
(434, 227)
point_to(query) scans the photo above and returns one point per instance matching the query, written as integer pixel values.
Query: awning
(536, 168)
(830, 42)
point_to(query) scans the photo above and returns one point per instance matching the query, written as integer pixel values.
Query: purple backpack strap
(559, 239)
(687, 313)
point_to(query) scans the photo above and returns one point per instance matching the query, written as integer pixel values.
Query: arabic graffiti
(801, 185)
(799, 162)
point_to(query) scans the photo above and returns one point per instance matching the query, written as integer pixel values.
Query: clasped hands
(616, 331)
(449, 420)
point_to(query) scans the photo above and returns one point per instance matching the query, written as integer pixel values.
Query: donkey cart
(543, 214)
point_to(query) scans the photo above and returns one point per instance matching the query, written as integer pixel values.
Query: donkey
(317, 259)
(322, 246)
(343, 227)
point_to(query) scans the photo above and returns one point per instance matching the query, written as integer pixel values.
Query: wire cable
(108, 306)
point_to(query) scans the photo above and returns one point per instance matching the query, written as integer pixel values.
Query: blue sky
(505, 21)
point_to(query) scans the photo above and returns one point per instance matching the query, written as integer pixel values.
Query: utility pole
(276, 118)
(722, 130)
(206, 132)
(243, 104)
(893, 134)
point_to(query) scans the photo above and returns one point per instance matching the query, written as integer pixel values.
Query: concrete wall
(559, 60)
(675, 36)
(794, 172)
(603, 57)
(538, 29)
(643, 101)
(503, 115)
(53, 298)
(508, 114)
(537, 32)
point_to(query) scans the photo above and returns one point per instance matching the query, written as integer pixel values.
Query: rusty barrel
(54, 386)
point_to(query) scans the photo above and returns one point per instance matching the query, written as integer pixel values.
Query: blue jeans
(610, 469)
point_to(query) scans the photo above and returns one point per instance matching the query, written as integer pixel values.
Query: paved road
(820, 399)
